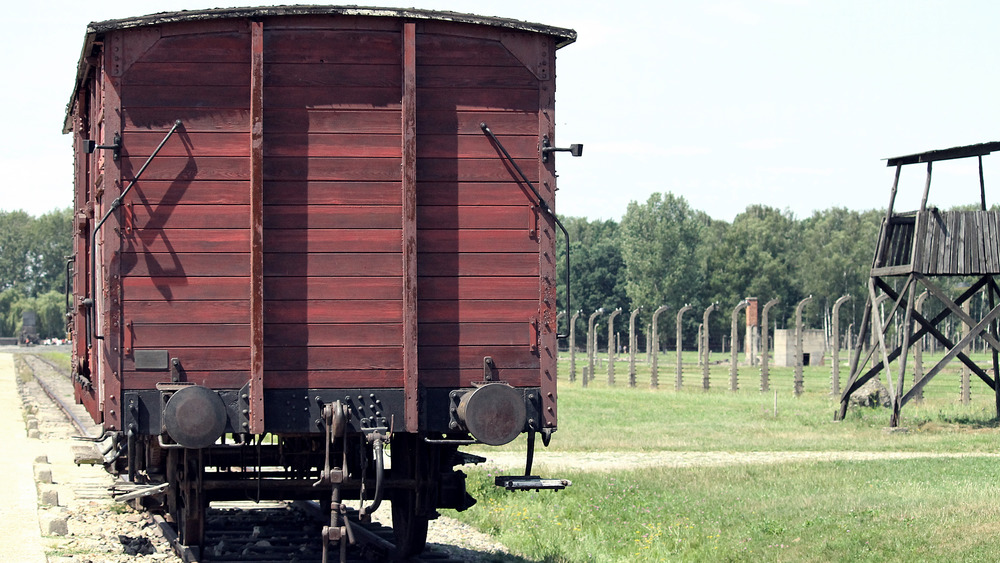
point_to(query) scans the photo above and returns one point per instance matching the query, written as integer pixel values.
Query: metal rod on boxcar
(115, 204)
(541, 203)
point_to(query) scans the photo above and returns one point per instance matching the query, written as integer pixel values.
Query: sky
(792, 104)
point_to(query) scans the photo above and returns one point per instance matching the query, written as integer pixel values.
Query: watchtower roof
(980, 149)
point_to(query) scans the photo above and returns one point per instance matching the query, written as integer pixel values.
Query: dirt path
(608, 461)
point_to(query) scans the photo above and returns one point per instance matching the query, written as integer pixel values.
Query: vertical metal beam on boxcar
(108, 256)
(546, 59)
(409, 196)
(257, 228)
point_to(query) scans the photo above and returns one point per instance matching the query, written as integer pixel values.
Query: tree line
(663, 252)
(33, 254)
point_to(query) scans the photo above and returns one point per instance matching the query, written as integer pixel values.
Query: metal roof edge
(565, 36)
(966, 151)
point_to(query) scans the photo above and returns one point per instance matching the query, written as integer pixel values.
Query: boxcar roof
(563, 36)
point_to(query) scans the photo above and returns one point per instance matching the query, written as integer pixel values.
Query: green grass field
(937, 508)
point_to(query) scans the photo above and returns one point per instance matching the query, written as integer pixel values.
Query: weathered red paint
(330, 215)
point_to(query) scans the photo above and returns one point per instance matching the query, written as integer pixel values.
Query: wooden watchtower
(920, 247)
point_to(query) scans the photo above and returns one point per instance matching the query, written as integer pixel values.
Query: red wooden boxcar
(328, 225)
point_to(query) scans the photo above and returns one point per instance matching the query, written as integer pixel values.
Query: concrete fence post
(572, 346)
(680, 345)
(654, 376)
(591, 345)
(798, 344)
(611, 345)
(835, 324)
(649, 343)
(734, 338)
(706, 347)
(765, 374)
(632, 343)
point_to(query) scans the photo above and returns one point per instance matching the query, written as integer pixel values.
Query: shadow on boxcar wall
(151, 207)
(293, 204)
(439, 198)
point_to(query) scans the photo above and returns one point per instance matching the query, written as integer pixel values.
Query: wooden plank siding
(187, 245)
(953, 243)
(332, 241)
(478, 254)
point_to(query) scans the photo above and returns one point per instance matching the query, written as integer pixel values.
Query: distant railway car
(304, 232)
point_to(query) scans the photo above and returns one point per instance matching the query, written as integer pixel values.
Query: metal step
(530, 483)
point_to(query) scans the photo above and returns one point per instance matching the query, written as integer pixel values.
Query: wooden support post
(966, 388)
(411, 407)
(256, 392)
(918, 346)
(993, 332)
(905, 346)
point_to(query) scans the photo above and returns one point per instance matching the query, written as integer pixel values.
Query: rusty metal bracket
(542, 204)
(116, 147)
(490, 370)
(575, 149)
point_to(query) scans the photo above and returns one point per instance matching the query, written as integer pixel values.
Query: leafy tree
(51, 243)
(15, 246)
(754, 257)
(596, 266)
(835, 257)
(33, 269)
(660, 246)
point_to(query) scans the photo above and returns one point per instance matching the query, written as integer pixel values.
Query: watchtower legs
(985, 328)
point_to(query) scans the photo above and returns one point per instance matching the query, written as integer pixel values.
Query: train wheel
(410, 528)
(186, 501)
(409, 515)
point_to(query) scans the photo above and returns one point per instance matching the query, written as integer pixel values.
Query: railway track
(235, 531)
